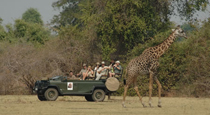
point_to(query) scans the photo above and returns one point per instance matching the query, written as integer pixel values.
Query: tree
(121, 25)
(69, 13)
(32, 16)
(31, 32)
(1, 20)
(165, 8)
(187, 8)
(2, 31)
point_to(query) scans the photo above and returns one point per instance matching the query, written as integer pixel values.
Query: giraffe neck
(161, 48)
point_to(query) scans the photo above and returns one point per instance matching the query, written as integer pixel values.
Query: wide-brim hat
(97, 63)
(102, 62)
(117, 61)
(84, 64)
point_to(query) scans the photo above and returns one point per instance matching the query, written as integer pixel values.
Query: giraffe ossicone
(147, 63)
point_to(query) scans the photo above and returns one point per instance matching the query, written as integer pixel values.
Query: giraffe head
(179, 32)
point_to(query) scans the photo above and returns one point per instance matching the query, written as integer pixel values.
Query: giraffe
(147, 63)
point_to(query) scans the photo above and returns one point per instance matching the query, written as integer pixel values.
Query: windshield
(55, 78)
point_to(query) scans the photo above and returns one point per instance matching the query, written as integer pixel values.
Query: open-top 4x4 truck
(93, 90)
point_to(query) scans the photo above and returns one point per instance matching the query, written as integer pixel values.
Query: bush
(195, 80)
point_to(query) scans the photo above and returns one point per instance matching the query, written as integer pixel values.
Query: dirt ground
(72, 105)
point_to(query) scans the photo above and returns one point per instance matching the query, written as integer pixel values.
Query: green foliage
(173, 65)
(31, 32)
(69, 13)
(28, 29)
(32, 16)
(187, 8)
(121, 25)
(195, 80)
(2, 33)
(1, 20)
(187, 27)
(10, 34)
(23, 31)
(125, 24)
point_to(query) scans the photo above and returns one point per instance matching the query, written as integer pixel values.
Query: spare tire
(112, 84)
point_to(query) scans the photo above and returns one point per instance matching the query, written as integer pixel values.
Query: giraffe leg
(150, 88)
(137, 91)
(140, 98)
(159, 92)
(125, 92)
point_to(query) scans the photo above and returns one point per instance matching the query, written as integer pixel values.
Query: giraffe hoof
(144, 106)
(159, 106)
(123, 105)
(150, 105)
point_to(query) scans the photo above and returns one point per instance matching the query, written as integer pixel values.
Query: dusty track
(30, 105)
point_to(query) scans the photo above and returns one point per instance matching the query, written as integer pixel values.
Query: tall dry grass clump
(22, 63)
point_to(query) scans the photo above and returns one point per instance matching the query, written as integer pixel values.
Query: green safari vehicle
(49, 90)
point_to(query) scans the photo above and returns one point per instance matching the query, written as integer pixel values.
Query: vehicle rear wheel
(88, 98)
(51, 94)
(98, 95)
(41, 98)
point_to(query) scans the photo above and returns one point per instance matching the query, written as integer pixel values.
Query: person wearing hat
(83, 71)
(89, 73)
(111, 68)
(71, 75)
(101, 71)
(97, 66)
(117, 69)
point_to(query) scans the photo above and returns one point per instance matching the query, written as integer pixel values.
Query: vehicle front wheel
(51, 94)
(88, 98)
(41, 97)
(98, 95)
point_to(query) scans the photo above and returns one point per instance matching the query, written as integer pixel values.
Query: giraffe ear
(172, 29)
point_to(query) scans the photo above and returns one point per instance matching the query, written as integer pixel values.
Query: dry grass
(30, 105)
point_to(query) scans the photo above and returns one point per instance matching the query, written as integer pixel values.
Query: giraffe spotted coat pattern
(147, 63)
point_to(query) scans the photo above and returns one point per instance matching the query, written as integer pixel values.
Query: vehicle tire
(51, 94)
(98, 95)
(41, 98)
(89, 98)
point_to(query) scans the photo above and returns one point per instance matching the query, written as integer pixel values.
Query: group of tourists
(100, 70)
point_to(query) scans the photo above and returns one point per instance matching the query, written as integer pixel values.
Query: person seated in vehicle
(111, 68)
(97, 66)
(117, 69)
(83, 71)
(89, 73)
(71, 75)
(101, 71)
(96, 69)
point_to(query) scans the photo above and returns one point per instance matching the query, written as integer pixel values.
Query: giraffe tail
(124, 80)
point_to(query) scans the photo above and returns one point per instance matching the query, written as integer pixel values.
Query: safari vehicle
(93, 90)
